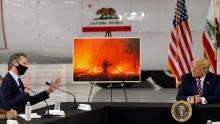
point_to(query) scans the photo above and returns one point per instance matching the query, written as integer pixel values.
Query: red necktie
(199, 87)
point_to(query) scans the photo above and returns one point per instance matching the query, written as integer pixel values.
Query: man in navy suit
(7, 114)
(14, 92)
(200, 86)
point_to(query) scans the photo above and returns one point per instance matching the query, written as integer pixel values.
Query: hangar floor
(41, 73)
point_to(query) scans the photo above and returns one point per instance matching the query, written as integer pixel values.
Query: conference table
(124, 113)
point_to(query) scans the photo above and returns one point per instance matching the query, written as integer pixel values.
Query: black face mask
(21, 69)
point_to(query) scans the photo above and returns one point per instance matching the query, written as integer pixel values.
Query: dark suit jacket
(211, 87)
(12, 98)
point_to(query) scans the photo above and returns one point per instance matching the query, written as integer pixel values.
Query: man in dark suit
(13, 92)
(200, 86)
(7, 114)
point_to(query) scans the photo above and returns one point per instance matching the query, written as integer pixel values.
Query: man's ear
(15, 63)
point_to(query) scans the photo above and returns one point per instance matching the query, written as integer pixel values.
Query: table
(125, 113)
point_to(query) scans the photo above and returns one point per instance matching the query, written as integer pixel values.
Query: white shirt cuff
(203, 100)
(188, 98)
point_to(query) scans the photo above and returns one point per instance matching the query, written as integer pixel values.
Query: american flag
(180, 55)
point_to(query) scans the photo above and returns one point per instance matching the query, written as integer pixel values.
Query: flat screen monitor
(106, 59)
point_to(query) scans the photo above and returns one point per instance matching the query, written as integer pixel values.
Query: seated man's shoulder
(6, 81)
(214, 77)
(217, 76)
(187, 75)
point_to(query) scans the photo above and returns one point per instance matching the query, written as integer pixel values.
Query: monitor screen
(106, 59)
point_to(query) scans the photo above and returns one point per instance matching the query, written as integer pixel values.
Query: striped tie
(199, 87)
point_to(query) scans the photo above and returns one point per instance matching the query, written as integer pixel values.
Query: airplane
(44, 29)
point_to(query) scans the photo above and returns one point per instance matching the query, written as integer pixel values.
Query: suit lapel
(193, 86)
(205, 85)
(15, 85)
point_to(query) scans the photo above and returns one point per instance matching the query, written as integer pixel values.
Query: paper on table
(33, 115)
(217, 122)
(11, 122)
(57, 112)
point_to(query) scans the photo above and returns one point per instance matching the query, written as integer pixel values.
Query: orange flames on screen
(103, 59)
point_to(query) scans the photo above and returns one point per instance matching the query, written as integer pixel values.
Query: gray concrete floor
(47, 72)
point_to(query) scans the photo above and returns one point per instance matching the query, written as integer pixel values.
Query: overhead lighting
(134, 16)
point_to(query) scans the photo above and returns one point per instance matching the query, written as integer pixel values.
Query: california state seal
(181, 111)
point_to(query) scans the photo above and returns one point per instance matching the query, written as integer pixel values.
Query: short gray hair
(14, 57)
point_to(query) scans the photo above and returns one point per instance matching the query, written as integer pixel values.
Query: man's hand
(55, 83)
(26, 82)
(198, 99)
(11, 114)
(195, 99)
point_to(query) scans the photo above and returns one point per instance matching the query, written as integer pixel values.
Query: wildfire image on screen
(106, 59)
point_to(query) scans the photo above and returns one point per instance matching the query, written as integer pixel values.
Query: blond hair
(202, 63)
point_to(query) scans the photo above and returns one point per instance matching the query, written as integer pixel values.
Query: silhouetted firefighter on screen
(105, 66)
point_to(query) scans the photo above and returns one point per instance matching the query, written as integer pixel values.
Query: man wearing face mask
(14, 92)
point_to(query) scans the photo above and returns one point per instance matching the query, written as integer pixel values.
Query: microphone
(74, 106)
(47, 115)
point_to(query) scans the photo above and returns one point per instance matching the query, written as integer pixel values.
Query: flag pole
(177, 31)
(177, 39)
(215, 26)
(215, 40)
